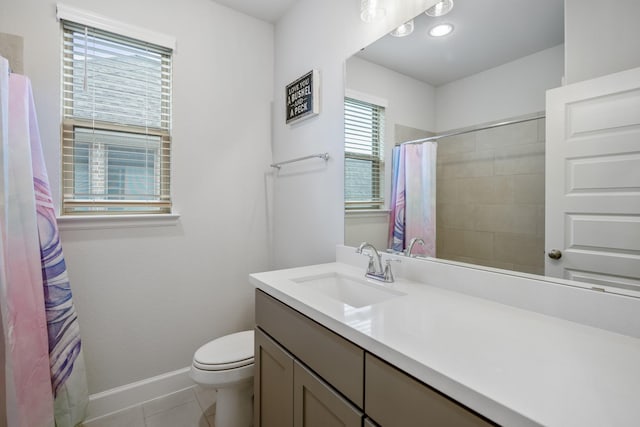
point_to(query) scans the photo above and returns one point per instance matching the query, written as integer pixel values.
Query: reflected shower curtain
(413, 197)
(44, 368)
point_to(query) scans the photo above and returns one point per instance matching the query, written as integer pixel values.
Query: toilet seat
(228, 352)
(222, 366)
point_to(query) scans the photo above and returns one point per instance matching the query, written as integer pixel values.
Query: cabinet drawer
(393, 398)
(335, 359)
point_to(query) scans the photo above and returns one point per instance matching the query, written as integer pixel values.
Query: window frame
(377, 202)
(71, 204)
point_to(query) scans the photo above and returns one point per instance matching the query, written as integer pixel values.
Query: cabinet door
(369, 423)
(393, 398)
(273, 384)
(317, 405)
(338, 361)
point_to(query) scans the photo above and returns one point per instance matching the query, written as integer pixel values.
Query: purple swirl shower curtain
(44, 368)
(413, 197)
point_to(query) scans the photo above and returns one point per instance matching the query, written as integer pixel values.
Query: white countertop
(514, 366)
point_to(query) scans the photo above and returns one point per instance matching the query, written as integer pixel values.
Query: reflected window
(364, 155)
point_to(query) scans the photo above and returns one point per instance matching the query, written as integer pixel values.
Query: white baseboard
(119, 398)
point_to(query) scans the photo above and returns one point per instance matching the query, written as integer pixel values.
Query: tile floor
(191, 407)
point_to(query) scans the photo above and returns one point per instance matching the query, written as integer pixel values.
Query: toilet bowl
(226, 364)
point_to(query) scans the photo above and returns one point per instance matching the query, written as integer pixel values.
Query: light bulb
(440, 8)
(372, 10)
(403, 30)
(441, 30)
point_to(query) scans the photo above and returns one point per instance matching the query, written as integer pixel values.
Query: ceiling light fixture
(440, 8)
(441, 30)
(403, 30)
(372, 10)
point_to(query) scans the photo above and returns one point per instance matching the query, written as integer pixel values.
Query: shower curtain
(413, 197)
(44, 368)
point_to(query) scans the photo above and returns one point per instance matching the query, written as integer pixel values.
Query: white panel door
(593, 182)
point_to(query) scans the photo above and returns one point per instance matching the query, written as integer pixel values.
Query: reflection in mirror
(461, 89)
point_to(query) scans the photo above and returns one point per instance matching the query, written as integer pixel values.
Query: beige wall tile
(474, 244)
(12, 48)
(542, 129)
(440, 171)
(441, 237)
(485, 190)
(455, 215)
(407, 133)
(504, 136)
(465, 165)
(541, 221)
(490, 203)
(506, 218)
(528, 189)
(448, 191)
(524, 159)
(457, 144)
(521, 249)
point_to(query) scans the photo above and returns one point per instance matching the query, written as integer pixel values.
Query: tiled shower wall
(490, 197)
(11, 47)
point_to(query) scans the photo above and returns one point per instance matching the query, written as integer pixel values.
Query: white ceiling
(487, 33)
(267, 10)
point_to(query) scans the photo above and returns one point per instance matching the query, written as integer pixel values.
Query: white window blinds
(116, 141)
(364, 155)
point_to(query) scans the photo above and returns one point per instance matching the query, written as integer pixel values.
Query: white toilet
(227, 364)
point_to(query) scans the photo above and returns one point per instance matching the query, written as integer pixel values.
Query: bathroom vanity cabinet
(288, 393)
(307, 375)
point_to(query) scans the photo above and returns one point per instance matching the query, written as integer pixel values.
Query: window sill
(82, 222)
(367, 212)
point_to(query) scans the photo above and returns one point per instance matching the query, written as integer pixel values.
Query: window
(364, 155)
(116, 140)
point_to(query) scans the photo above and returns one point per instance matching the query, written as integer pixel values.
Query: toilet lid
(227, 352)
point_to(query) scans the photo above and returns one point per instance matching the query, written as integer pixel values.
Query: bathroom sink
(349, 290)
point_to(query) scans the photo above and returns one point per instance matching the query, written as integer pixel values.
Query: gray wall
(308, 199)
(147, 297)
(600, 37)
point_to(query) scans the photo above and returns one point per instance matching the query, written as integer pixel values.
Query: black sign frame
(301, 97)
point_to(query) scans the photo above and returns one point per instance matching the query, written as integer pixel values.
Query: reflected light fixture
(403, 30)
(372, 10)
(440, 8)
(441, 30)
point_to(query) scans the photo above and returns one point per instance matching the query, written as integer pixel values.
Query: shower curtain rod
(474, 129)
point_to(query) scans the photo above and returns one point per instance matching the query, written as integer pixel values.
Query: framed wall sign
(302, 100)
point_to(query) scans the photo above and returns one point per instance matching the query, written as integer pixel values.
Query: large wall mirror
(481, 91)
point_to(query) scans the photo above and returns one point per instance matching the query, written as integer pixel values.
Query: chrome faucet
(374, 269)
(411, 244)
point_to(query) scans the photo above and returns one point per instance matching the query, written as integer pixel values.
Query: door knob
(555, 254)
